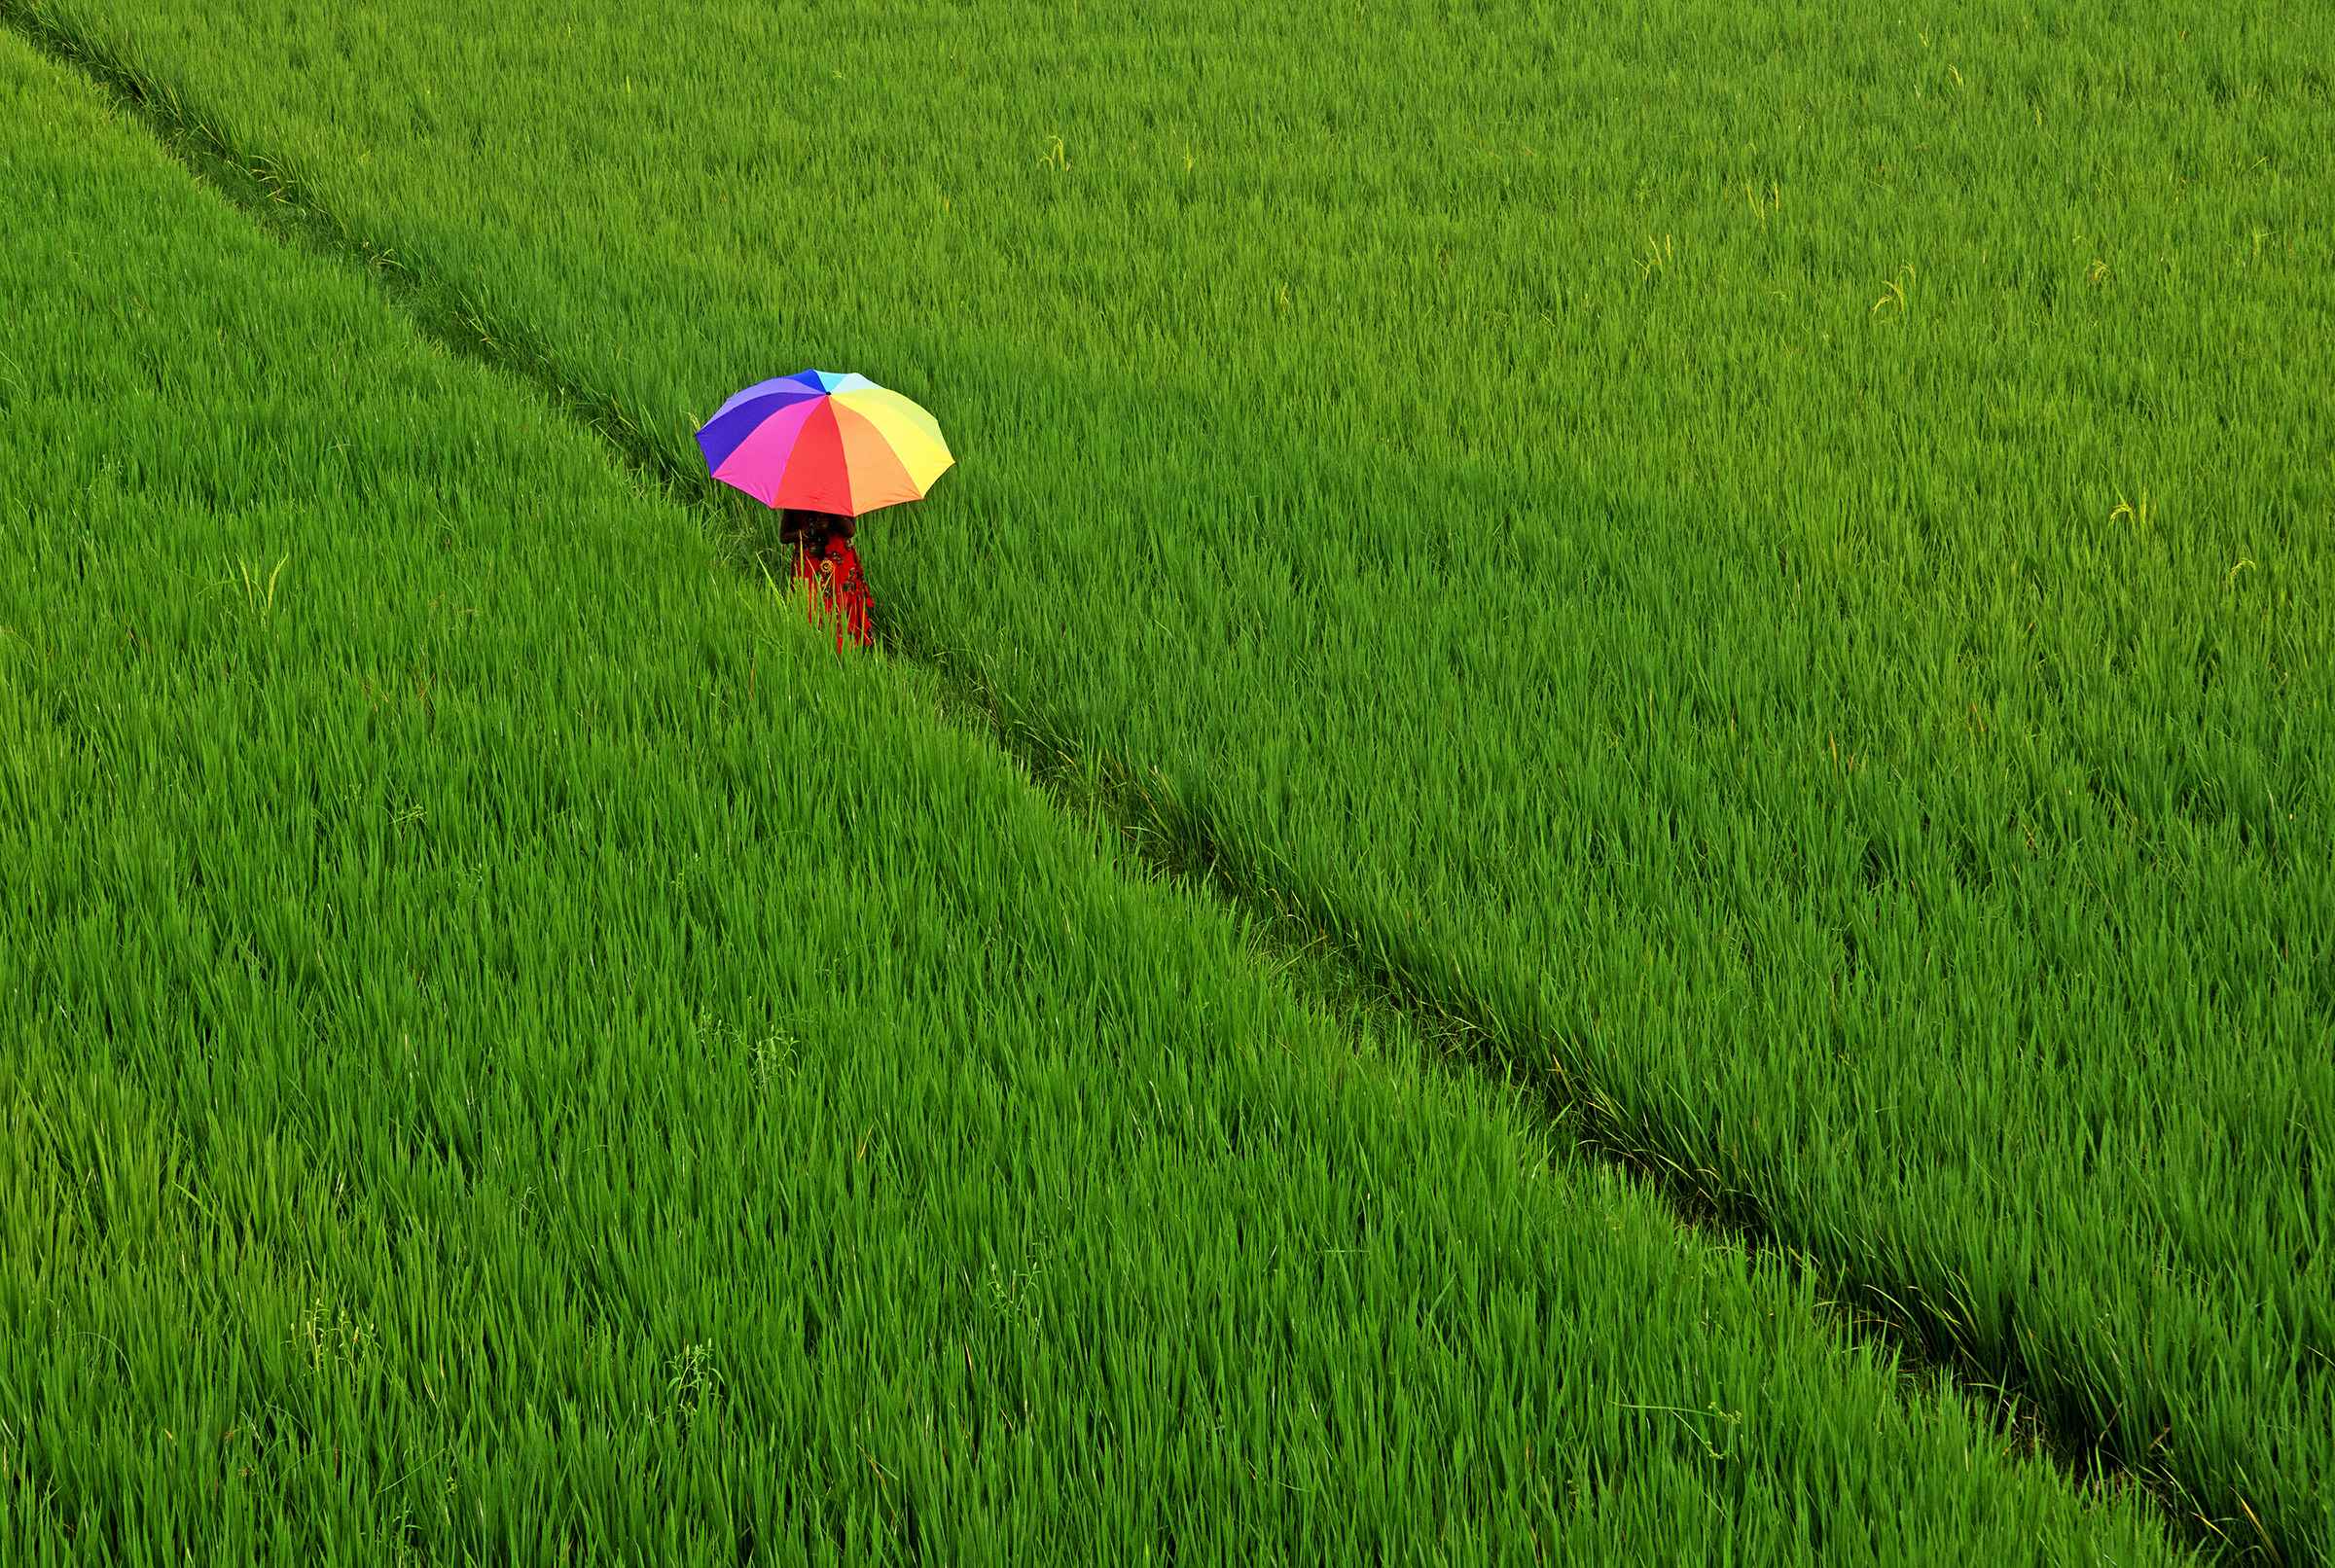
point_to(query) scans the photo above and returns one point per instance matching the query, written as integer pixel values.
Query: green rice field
(1597, 826)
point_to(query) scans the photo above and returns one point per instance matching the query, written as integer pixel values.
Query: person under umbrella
(828, 567)
(824, 449)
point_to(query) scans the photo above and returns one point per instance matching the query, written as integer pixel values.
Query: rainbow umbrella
(824, 443)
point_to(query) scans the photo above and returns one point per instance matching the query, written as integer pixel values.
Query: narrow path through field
(1174, 837)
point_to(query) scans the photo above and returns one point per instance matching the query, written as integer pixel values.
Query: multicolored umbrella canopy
(825, 442)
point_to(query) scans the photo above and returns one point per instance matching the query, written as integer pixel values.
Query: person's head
(811, 530)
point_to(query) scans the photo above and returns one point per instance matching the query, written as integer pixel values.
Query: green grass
(515, 1053)
(1774, 566)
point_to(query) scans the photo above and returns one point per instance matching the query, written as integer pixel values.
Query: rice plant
(1837, 680)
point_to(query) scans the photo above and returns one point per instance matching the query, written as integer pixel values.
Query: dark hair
(811, 530)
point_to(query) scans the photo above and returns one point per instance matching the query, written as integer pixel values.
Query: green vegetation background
(1772, 568)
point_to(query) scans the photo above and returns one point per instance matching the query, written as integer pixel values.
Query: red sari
(834, 584)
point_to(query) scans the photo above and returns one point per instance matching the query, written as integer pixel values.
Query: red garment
(835, 578)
